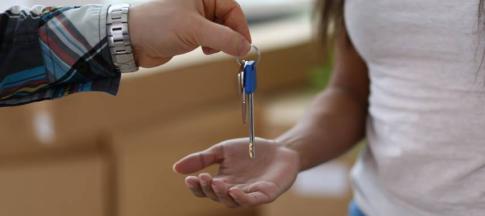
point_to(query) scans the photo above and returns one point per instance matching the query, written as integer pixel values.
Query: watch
(119, 38)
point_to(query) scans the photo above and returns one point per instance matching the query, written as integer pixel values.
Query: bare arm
(336, 120)
(335, 123)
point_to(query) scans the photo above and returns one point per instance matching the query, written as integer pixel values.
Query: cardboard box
(73, 185)
(31, 131)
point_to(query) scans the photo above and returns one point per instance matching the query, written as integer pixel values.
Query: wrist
(135, 36)
(119, 38)
(290, 144)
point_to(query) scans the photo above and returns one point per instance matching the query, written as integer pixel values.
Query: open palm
(241, 181)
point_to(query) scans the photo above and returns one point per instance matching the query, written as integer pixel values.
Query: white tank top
(426, 124)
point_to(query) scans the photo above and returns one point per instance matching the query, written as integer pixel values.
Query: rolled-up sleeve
(47, 53)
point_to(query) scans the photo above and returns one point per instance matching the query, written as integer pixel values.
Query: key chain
(247, 81)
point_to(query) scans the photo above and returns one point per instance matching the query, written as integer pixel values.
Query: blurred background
(97, 155)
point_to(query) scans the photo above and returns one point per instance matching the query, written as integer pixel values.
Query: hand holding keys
(247, 79)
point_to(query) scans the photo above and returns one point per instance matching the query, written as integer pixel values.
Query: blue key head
(250, 78)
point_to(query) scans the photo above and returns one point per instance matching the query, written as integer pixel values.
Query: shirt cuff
(76, 55)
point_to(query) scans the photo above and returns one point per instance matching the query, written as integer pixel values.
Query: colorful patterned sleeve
(48, 53)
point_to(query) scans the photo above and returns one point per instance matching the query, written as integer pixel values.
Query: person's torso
(426, 127)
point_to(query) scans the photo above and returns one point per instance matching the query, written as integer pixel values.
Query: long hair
(331, 20)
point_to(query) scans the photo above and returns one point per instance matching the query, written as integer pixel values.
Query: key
(249, 90)
(240, 80)
(247, 81)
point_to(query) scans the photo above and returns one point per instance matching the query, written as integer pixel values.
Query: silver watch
(119, 38)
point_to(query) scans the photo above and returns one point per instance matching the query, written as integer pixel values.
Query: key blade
(244, 108)
(252, 151)
(242, 94)
(252, 147)
(240, 85)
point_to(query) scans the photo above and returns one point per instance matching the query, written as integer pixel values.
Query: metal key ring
(254, 50)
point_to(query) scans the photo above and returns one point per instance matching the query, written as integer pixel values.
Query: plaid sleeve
(47, 53)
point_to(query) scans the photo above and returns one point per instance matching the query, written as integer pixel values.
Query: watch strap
(119, 38)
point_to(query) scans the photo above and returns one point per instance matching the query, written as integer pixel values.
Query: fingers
(223, 38)
(193, 184)
(221, 190)
(255, 194)
(249, 199)
(231, 196)
(200, 160)
(215, 189)
(206, 184)
(229, 13)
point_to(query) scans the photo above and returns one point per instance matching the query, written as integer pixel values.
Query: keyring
(253, 52)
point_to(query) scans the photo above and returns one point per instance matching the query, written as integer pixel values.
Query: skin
(332, 126)
(162, 29)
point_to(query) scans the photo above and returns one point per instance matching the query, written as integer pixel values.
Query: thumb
(223, 38)
(200, 160)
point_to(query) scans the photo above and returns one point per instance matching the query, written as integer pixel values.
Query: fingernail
(203, 182)
(216, 184)
(205, 176)
(232, 194)
(174, 169)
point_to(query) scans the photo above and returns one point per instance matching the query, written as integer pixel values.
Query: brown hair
(331, 20)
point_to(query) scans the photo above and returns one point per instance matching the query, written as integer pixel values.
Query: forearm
(333, 125)
(52, 52)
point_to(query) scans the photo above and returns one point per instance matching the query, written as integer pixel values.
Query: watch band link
(119, 38)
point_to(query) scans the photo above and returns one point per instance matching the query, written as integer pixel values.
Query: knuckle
(270, 199)
(236, 4)
(198, 193)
